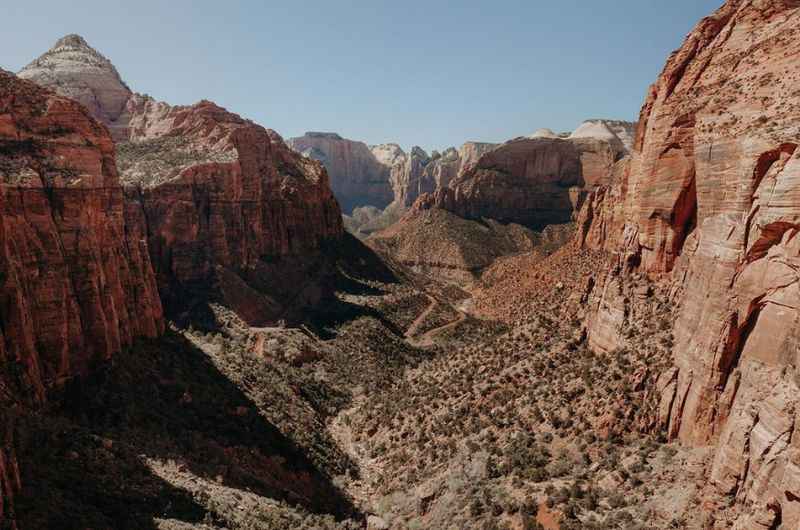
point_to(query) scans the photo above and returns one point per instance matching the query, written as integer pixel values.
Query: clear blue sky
(432, 72)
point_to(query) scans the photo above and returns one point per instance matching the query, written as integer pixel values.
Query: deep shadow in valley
(83, 464)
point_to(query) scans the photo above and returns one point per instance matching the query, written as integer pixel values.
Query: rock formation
(78, 284)
(358, 177)
(609, 130)
(220, 200)
(378, 175)
(535, 182)
(77, 71)
(710, 204)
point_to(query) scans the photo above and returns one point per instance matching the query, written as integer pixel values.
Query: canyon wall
(226, 208)
(358, 178)
(384, 174)
(531, 181)
(225, 203)
(77, 285)
(710, 202)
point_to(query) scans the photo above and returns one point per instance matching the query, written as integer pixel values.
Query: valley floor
(402, 403)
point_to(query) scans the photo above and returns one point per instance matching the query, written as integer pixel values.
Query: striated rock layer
(710, 201)
(77, 283)
(532, 181)
(224, 205)
(358, 178)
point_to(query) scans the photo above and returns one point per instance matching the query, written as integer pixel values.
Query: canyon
(595, 329)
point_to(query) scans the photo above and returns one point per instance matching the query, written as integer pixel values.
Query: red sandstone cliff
(225, 203)
(77, 284)
(710, 203)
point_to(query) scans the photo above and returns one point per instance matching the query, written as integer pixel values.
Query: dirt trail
(412, 329)
(427, 338)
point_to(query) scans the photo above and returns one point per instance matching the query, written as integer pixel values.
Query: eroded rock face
(224, 201)
(77, 284)
(382, 174)
(531, 181)
(358, 177)
(76, 70)
(711, 203)
(418, 173)
(612, 131)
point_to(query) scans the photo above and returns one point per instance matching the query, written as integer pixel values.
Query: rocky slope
(709, 205)
(440, 244)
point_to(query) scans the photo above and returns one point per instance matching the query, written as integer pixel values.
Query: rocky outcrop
(75, 70)
(612, 131)
(710, 205)
(531, 181)
(224, 205)
(418, 173)
(358, 177)
(77, 285)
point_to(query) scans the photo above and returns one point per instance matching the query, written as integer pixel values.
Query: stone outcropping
(418, 173)
(531, 181)
(709, 203)
(224, 204)
(358, 177)
(77, 283)
(612, 131)
(75, 70)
